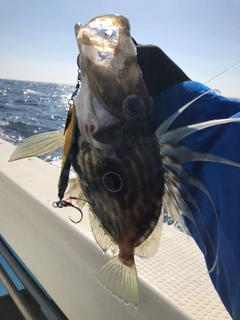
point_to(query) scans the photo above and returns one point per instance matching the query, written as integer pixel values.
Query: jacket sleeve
(221, 233)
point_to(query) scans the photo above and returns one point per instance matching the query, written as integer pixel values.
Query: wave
(28, 108)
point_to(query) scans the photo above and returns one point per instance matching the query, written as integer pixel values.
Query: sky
(37, 39)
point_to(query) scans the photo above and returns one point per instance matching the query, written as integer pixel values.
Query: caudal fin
(120, 279)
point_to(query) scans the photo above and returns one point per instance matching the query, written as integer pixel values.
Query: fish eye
(132, 106)
(112, 181)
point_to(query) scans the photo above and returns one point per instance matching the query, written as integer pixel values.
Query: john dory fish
(118, 156)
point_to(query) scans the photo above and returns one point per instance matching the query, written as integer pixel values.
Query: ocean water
(28, 108)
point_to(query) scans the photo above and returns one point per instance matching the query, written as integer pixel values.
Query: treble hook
(65, 203)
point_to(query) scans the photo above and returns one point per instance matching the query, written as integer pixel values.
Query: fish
(117, 145)
(127, 173)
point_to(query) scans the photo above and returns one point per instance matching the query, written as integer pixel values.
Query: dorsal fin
(166, 124)
(176, 135)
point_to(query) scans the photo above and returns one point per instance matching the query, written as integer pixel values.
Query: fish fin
(120, 279)
(176, 135)
(74, 188)
(101, 236)
(179, 198)
(175, 205)
(149, 247)
(187, 213)
(182, 154)
(175, 194)
(186, 178)
(39, 145)
(171, 199)
(166, 124)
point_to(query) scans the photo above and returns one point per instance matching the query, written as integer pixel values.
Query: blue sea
(28, 108)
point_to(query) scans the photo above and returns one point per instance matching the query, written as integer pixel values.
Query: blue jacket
(222, 181)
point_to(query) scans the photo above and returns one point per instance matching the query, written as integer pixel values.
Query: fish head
(110, 75)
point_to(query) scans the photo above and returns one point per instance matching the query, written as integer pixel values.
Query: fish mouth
(108, 62)
(102, 32)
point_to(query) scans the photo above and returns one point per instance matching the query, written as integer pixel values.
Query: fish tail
(120, 279)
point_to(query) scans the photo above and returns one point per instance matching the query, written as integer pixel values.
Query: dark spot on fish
(112, 181)
(132, 106)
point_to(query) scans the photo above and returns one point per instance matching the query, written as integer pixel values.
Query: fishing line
(223, 72)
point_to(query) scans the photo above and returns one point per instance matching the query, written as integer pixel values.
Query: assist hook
(65, 203)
